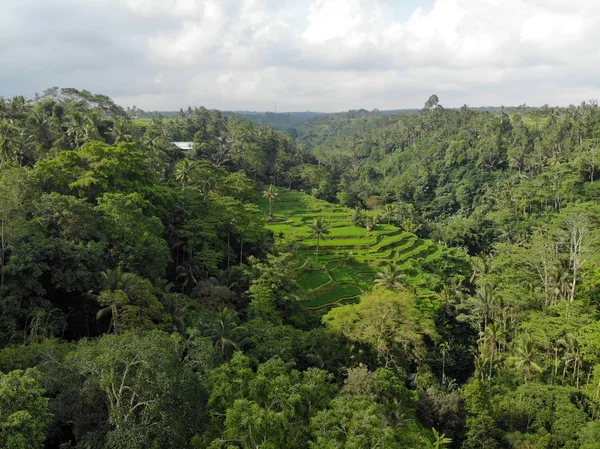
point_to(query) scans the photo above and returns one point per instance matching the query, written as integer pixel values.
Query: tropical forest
(418, 279)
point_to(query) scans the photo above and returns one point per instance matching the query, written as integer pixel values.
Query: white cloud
(316, 54)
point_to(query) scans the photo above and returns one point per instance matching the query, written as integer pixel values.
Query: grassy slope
(329, 281)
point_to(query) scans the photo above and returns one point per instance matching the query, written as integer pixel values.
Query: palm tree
(524, 359)
(359, 217)
(444, 349)
(8, 138)
(207, 183)
(25, 144)
(370, 224)
(152, 139)
(484, 303)
(120, 132)
(270, 194)
(481, 366)
(391, 278)
(117, 285)
(225, 331)
(410, 226)
(188, 274)
(492, 339)
(389, 211)
(154, 142)
(41, 126)
(482, 266)
(173, 305)
(183, 171)
(572, 355)
(319, 230)
(346, 258)
(90, 128)
(3, 108)
(117, 279)
(76, 129)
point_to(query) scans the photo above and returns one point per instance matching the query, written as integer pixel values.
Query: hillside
(350, 255)
(284, 286)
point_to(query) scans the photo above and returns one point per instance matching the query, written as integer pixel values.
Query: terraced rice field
(331, 280)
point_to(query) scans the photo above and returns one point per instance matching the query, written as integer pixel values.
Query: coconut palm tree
(8, 141)
(207, 185)
(525, 356)
(319, 229)
(120, 131)
(444, 348)
(492, 339)
(117, 285)
(346, 258)
(225, 332)
(410, 226)
(270, 194)
(153, 139)
(571, 355)
(370, 224)
(484, 303)
(482, 266)
(359, 217)
(174, 306)
(391, 278)
(117, 279)
(184, 171)
(189, 276)
(389, 210)
(481, 363)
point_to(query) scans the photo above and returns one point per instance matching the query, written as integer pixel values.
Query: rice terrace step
(349, 256)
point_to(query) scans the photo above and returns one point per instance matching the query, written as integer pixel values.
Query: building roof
(183, 145)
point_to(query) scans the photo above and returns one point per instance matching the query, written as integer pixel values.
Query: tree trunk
(443, 369)
(573, 284)
(318, 241)
(2, 243)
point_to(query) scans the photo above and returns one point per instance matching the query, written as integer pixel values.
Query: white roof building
(183, 145)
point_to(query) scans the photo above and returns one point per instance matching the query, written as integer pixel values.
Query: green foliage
(271, 406)
(274, 292)
(24, 413)
(351, 422)
(136, 239)
(111, 238)
(145, 387)
(387, 321)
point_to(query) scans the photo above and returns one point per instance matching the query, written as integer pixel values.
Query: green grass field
(329, 280)
(141, 122)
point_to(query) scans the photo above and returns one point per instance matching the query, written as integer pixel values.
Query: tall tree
(24, 413)
(225, 332)
(390, 277)
(270, 194)
(578, 228)
(525, 358)
(319, 229)
(184, 172)
(386, 320)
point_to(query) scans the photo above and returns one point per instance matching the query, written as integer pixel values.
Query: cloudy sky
(323, 55)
